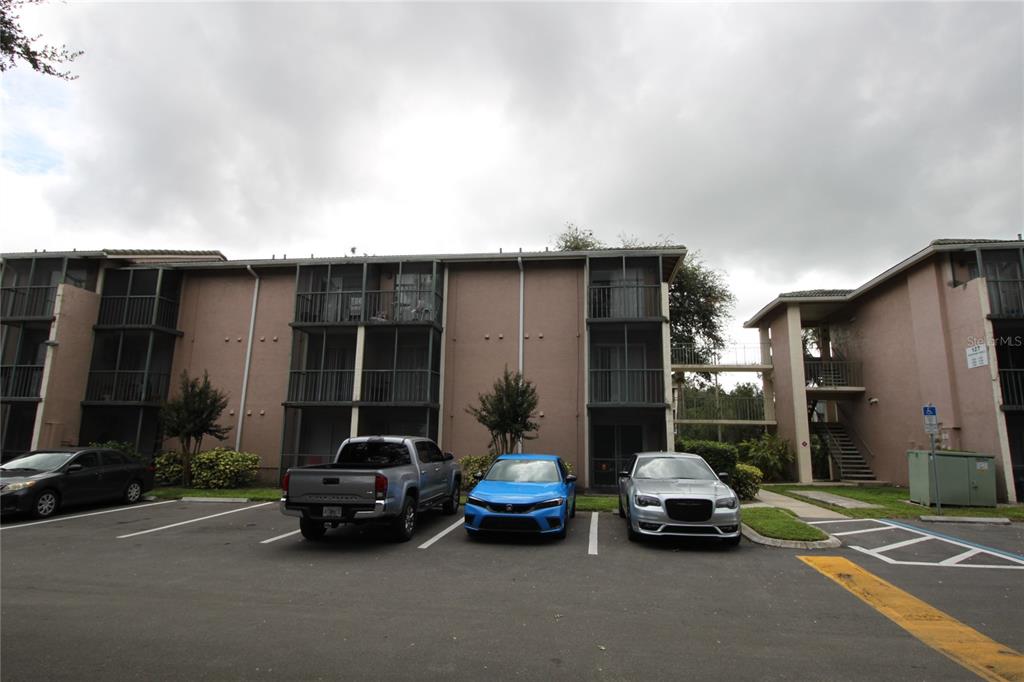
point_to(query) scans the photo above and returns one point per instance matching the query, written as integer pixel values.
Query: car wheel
(133, 493)
(630, 533)
(451, 505)
(405, 525)
(572, 512)
(733, 542)
(47, 503)
(312, 530)
(622, 512)
(473, 534)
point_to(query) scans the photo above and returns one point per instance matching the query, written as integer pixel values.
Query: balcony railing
(709, 407)
(1006, 297)
(27, 302)
(625, 301)
(400, 386)
(622, 386)
(20, 381)
(1012, 383)
(345, 307)
(329, 385)
(127, 386)
(739, 355)
(832, 373)
(138, 311)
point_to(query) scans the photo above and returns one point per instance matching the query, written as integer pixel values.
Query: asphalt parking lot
(230, 591)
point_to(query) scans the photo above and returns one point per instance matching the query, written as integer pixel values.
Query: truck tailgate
(331, 486)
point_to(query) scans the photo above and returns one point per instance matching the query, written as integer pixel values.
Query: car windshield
(373, 454)
(673, 467)
(40, 461)
(524, 471)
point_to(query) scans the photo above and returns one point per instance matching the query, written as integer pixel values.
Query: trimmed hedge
(746, 481)
(770, 454)
(719, 456)
(224, 468)
(168, 468)
(471, 465)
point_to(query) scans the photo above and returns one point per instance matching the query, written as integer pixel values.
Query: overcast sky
(795, 146)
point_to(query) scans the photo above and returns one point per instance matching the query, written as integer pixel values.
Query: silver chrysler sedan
(677, 494)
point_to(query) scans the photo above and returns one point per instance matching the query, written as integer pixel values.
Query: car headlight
(476, 501)
(647, 501)
(21, 485)
(727, 502)
(547, 504)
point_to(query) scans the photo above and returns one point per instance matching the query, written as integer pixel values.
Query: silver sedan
(677, 494)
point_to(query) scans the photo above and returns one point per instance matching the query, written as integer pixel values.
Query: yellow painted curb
(985, 657)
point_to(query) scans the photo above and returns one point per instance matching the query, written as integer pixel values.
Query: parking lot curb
(997, 520)
(215, 499)
(752, 535)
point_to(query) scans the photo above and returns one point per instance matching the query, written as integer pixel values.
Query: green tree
(507, 410)
(700, 305)
(192, 415)
(14, 44)
(576, 238)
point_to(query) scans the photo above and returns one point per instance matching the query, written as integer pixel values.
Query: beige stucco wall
(214, 315)
(66, 372)
(481, 340)
(783, 379)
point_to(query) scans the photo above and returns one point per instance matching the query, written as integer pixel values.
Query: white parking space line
(279, 537)
(201, 518)
(821, 523)
(905, 543)
(82, 516)
(592, 549)
(867, 530)
(959, 557)
(440, 535)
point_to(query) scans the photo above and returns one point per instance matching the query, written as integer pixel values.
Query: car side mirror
(723, 477)
(571, 478)
(624, 473)
(72, 468)
(478, 475)
(448, 456)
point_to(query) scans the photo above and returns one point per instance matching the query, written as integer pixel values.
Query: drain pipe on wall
(248, 360)
(522, 331)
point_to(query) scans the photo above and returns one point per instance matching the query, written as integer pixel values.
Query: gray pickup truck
(373, 479)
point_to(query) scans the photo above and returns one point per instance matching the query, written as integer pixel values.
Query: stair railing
(831, 446)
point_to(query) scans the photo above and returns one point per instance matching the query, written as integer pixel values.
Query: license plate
(333, 512)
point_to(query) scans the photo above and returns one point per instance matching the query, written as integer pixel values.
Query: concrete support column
(767, 378)
(357, 380)
(802, 428)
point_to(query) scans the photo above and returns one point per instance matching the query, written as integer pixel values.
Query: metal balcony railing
(832, 373)
(697, 406)
(344, 307)
(138, 311)
(627, 386)
(27, 301)
(625, 301)
(315, 385)
(400, 386)
(1012, 383)
(749, 354)
(20, 381)
(1006, 297)
(127, 386)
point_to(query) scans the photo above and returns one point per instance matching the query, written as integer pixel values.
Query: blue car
(523, 494)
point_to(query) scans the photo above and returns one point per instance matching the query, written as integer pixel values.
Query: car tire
(733, 542)
(46, 504)
(630, 533)
(451, 505)
(622, 512)
(312, 530)
(132, 492)
(473, 534)
(404, 527)
(572, 512)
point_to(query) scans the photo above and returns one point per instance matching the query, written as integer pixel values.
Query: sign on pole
(931, 419)
(931, 427)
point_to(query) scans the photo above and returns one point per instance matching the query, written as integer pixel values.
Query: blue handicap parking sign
(929, 411)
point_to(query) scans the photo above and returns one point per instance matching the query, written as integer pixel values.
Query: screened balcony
(20, 381)
(123, 386)
(1012, 383)
(27, 302)
(400, 386)
(321, 385)
(136, 297)
(624, 301)
(1006, 297)
(627, 386)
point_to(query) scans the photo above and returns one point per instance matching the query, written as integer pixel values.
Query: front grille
(509, 523)
(689, 510)
(503, 508)
(691, 530)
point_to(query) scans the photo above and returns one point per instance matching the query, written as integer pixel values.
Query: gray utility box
(967, 479)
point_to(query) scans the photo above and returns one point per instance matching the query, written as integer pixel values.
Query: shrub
(224, 468)
(122, 446)
(746, 481)
(471, 465)
(770, 454)
(719, 456)
(168, 468)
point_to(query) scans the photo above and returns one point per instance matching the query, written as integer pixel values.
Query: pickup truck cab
(373, 479)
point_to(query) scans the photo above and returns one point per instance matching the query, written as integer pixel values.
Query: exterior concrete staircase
(844, 453)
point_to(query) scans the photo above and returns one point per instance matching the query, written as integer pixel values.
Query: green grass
(780, 524)
(598, 503)
(894, 503)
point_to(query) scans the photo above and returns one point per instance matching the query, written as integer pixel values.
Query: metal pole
(935, 475)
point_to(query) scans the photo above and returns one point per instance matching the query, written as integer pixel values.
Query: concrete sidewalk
(804, 510)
